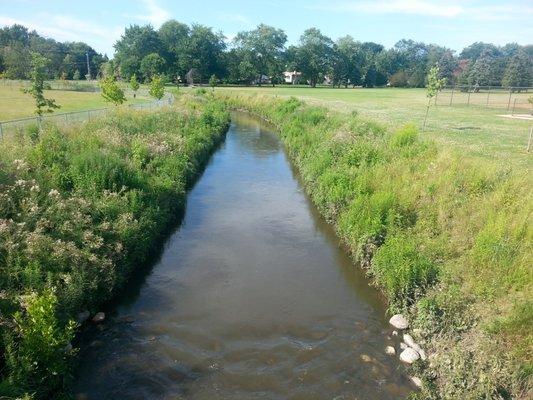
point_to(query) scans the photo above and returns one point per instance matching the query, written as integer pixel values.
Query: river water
(253, 297)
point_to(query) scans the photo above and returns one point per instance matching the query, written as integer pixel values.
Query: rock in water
(390, 350)
(98, 317)
(399, 321)
(409, 355)
(408, 339)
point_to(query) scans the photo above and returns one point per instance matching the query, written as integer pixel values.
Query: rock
(83, 316)
(98, 317)
(409, 355)
(365, 358)
(416, 381)
(408, 339)
(390, 350)
(399, 321)
(395, 333)
(403, 346)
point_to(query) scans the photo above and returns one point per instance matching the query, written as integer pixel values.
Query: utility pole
(88, 67)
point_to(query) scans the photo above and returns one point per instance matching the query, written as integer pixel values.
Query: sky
(453, 23)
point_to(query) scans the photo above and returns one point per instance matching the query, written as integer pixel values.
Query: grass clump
(80, 209)
(446, 235)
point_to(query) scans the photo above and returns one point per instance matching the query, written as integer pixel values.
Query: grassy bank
(81, 209)
(448, 239)
(475, 130)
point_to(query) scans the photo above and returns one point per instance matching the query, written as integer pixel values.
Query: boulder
(399, 321)
(390, 350)
(408, 339)
(99, 317)
(416, 381)
(409, 355)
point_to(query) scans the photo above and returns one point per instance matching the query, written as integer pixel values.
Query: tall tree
(348, 62)
(135, 44)
(263, 48)
(518, 72)
(314, 55)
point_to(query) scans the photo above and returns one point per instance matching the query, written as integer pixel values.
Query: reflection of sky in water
(252, 297)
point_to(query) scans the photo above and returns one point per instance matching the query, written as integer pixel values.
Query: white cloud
(156, 15)
(67, 28)
(238, 18)
(475, 10)
(421, 7)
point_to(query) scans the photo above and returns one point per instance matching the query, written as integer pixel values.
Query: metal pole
(468, 100)
(509, 102)
(451, 98)
(528, 142)
(514, 105)
(488, 94)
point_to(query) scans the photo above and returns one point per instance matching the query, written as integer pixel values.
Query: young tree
(111, 91)
(38, 75)
(134, 84)
(435, 84)
(213, 82)
(157, 87)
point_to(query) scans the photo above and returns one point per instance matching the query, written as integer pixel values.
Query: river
(253, 297)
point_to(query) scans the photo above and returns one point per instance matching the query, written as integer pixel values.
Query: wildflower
(53, 193)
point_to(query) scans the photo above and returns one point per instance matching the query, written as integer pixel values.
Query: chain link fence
(69, 118)
(515, 100)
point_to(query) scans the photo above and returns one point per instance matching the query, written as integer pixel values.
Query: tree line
(196, 53)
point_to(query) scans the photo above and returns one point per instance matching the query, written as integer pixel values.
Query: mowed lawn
(16, 104)
(476, 130)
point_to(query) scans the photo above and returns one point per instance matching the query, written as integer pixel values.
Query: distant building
(292, 77)
(263, 79)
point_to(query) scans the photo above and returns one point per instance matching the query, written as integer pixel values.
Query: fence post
(514, 105)
(468, 100)
(509, 102)
(529, 140)
(488, 94)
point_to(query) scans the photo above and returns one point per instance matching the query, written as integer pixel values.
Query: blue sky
(452, 23)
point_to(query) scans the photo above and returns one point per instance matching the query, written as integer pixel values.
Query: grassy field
(477, 130)
(16, 104)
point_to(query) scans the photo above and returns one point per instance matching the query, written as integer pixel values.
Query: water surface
(252, 298)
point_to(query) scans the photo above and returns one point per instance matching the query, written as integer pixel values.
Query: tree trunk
(426, 117)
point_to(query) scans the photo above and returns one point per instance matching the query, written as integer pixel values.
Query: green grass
(475, 130)
(446, 235)
(16, 104)
(80, 209)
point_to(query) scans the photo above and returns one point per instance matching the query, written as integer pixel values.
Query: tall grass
(80, 209)
(447, 237)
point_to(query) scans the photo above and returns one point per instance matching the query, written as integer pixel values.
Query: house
(292, 77)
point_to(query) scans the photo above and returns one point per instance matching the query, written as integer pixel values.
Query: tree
(134, 84)
(152, 64)
(435, 85)
(38, 74)
(518, 71)
(111, 91)
(348, 62)
(157, 87)
(263, 48)
(174, 36)
(133, 46)
(213, 82)
(314, 55)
